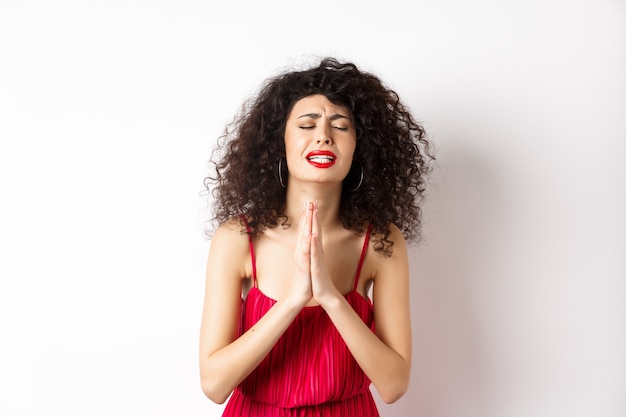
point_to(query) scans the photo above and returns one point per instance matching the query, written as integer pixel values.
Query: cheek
(350, 151)
(293, 150)
(291, 145)
(289, 141)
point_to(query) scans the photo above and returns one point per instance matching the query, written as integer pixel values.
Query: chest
(276, 262)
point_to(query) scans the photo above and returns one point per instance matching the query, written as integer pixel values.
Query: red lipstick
(321, 159)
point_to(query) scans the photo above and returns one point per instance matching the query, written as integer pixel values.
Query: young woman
(317, 185)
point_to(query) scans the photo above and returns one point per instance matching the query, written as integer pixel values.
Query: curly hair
(392, 154)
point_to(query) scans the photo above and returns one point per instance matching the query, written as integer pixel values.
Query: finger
(300, 230)
(304, 229)
(308, 227)
(316, 239)
(314, 255)
(315, 226)
(309, 218)
(303, 246)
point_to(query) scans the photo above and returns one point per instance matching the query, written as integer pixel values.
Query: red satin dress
(310, 371)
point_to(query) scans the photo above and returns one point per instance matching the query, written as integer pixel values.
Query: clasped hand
(312, 280)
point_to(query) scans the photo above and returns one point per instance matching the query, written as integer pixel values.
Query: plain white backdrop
(108, 113)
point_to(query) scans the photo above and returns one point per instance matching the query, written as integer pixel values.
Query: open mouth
(321, 159)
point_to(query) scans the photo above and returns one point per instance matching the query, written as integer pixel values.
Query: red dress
(310, 371)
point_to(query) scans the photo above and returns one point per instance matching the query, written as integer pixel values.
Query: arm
(225, 359)
(385, 357)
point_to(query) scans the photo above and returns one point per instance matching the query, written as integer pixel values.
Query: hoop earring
(360, 180)
(280, 173)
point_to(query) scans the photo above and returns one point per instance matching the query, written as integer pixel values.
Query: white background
(108, 112)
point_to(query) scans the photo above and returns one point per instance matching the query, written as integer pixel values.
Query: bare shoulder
(397, 237)
(379, 260)
(385, 270)
(228, 230)
(230, 245)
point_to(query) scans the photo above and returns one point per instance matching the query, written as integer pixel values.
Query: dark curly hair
(391, 149)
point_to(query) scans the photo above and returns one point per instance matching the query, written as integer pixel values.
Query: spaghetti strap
(252, 257)
(363, 252)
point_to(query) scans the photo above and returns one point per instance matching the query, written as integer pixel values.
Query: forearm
(221, 371)
(387, 369)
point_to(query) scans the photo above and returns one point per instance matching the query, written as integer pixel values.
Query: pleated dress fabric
(310, 370)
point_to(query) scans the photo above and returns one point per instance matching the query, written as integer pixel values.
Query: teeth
(321, 159)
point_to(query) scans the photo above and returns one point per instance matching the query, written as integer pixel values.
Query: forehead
(317, 103)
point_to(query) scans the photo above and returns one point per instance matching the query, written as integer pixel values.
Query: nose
(324, 135)
(323, 140)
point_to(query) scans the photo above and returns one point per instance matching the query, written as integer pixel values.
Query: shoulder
(233, 225)
(381, 262)
(396, 234)
(395, 239)
(231, 231)
(230, 243)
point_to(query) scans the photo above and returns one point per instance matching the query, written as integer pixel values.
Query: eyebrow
(317, 116)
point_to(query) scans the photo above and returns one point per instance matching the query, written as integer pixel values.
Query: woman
(316, 188)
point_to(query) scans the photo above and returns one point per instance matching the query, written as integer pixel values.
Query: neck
(328, 199)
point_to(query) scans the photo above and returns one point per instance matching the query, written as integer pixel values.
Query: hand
(322, 285)
(301, 289)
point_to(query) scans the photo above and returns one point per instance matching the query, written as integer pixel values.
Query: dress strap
(245, 222)
(363, 252)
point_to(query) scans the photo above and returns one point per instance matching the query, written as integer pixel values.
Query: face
(320, 139)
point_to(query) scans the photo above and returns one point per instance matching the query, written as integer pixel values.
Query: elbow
(216, 384)
(213, 391)
(391, 397)
(392, 392)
